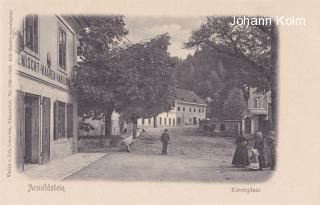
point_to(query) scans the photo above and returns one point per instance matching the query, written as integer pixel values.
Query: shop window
(31, 32)
(62, 48)
(59, 120)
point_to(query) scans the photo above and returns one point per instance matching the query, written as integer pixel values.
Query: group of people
(263, 151)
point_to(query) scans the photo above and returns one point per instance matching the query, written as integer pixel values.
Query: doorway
(31, 132)
(194, 120)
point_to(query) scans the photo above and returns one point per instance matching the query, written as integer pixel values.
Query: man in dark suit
(165, 140)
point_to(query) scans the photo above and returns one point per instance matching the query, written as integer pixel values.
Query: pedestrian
(241, 156)
(165, 140)
(259, 144)
(271, 150)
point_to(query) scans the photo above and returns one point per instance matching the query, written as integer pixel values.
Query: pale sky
(179, 29)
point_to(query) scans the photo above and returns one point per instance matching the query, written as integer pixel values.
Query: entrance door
(194, 120)
(45, 130)
(247, 125)
(31, 112)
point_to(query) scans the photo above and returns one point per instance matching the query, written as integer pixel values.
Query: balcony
(258, 111)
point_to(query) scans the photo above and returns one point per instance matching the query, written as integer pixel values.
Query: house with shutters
(46, 111)
(189, 109)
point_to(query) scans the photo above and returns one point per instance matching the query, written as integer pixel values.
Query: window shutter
(69, 120)
(56, 114)
(20, 129)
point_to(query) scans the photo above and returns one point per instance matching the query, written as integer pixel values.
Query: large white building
(189, 109)
(46, 111)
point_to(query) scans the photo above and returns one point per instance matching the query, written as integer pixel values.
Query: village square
(126, 98)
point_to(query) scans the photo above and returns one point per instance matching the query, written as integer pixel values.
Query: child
(254, 161)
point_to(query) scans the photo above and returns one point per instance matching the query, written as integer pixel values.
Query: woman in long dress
(271, 150)
(259, 144)
(241, 156)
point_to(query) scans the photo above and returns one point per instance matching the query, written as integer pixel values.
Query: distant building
(46, 111)
(255, 117)
(189, 109)
(98, 126)
(257, 114)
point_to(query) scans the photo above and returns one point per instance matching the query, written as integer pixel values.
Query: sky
(179, 29)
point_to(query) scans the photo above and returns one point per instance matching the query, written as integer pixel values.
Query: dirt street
(191, 157)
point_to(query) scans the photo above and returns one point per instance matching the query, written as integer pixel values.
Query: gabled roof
(188, 96)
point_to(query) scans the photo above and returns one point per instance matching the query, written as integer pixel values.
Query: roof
(188, 96)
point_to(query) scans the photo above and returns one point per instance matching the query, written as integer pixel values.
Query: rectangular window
(199, 110)
(190, 109)
(149, 121)
(69, 120)
(169, 121)
(165, 121)
(31, 32)
(62, 48)
(143, 121)
(194, 110)
(184, 109)
(160, 121)
(173, 122)
(59, 120)
(178, 108)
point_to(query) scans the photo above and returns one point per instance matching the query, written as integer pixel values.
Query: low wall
(91, 143)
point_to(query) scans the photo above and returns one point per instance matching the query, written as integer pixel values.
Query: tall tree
(252, 47)
(148, 82)
(234, 105)
(96, 77)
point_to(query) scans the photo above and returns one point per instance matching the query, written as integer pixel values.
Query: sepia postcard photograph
(152, 103)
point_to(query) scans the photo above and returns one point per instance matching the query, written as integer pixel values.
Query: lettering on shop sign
(34, 65)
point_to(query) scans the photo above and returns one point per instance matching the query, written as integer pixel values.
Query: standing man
(165, 140)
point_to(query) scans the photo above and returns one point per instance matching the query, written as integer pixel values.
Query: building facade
(257, 114)
(189, 109)
(46, 111)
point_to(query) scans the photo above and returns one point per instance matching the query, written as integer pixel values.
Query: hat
(165, 130)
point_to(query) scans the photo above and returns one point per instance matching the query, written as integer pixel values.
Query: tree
(234, 105)
(254, 48)
(147, 79)
(95, 79)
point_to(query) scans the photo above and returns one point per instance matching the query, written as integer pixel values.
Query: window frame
(27, 49)
(59, 122)
(62, 29)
